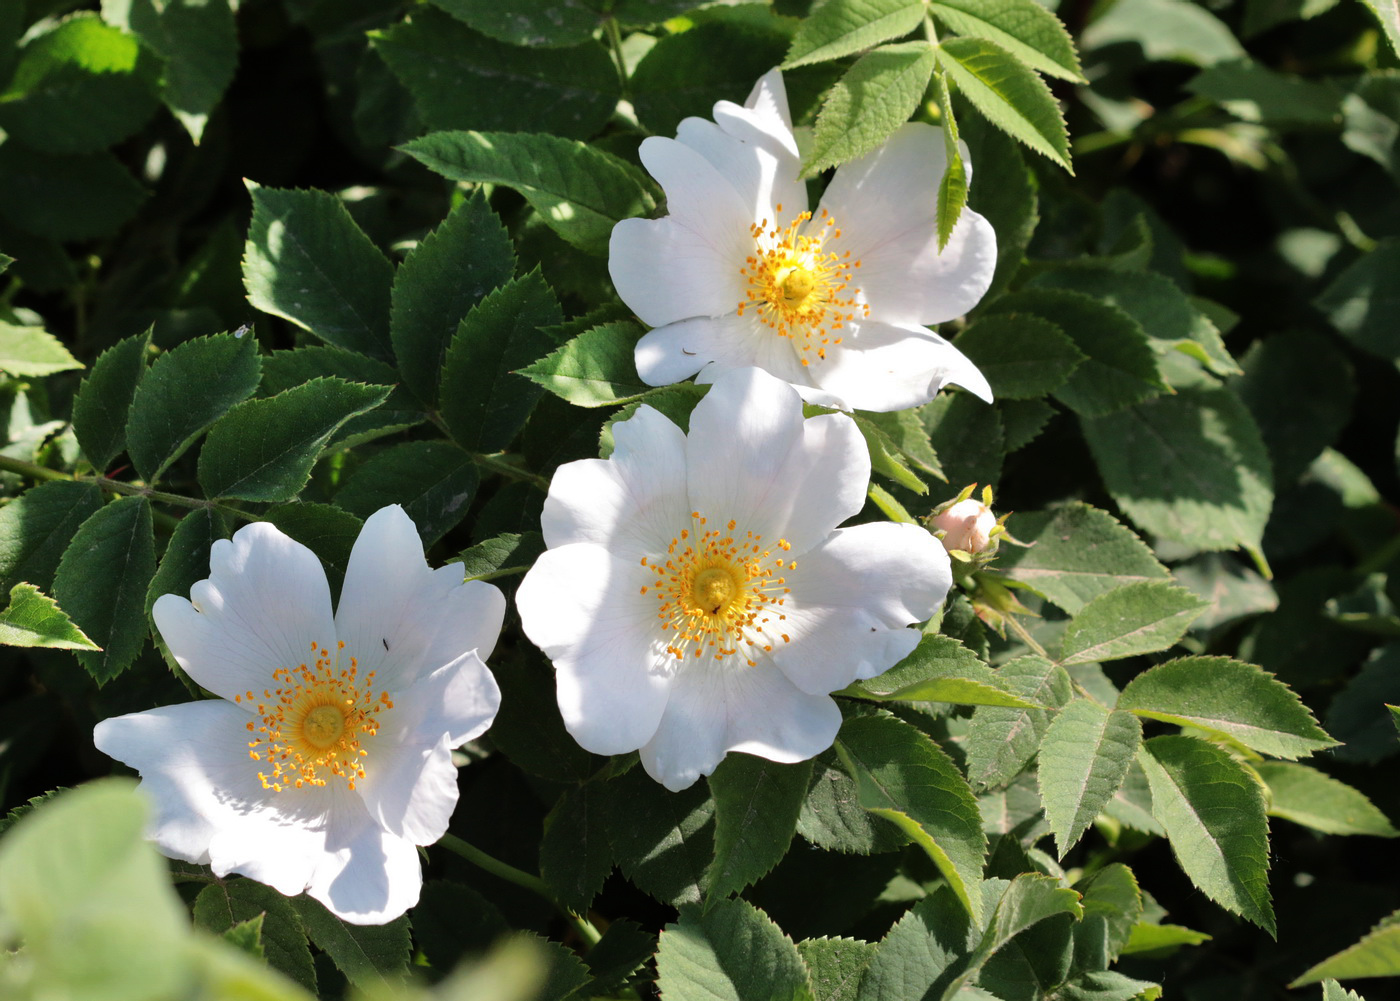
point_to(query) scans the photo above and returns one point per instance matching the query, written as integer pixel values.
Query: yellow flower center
(311, 725)
(719, 593)
(798, 288)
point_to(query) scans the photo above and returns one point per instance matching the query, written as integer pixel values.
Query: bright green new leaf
(885, 455)
(940, 669)
(904, 777)
(1012, 97)
(836, 966)
(903, 434)
(34, 619)
(1000, 742)
(1376, 955)
(222, 905)
(263, 450)
(874, 97)
(731, 951)
(843, 27)
(1306, 796)
(101, 583)
(308, 262)
(1213, 813)
(924, 951)
(756, 807)
(575, 853)
(1333, 991)
(104, 399)
(1189, 467)
(1152, 937)
(595, 369)
(32, 351)
(1022, 356)
(1022, 27)
(1237, 700)
(1134, 619)
(484, 401)
(527, 22)
(435, 482)
(1084, 756)
(37, 526)
(65, 198)
(370, 956)
(952, 189)
(579, 191)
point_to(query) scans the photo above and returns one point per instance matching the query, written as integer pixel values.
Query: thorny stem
(36, 472)
(511, 874)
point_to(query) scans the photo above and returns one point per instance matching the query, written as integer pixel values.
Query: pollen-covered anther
(717, 592)
(798, 287)
(311, 726)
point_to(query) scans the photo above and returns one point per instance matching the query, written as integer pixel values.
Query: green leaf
(902, 434)
(434, 481)
(662, 841)
(843, 27)
(462, 80)
(484, 401)
(1022, 27)
(101, 583)
(186, 557)
(1189, 467)
(198, 40)
(884, 455)
(247, 936)
(1151, 938)
(529, 729)
(940, 669)
(1119, 366)
(952, 189)
(32, 351)
(1134, 619)
(1213, 813)
(1364, 304)
(1306, 796)
(1001, 742)
(579, 191)
(1076, 553)
(731, 951)
(1376, 955)
(263, 450)
(903, 776)
(284, 370)
(1021, 356)
(185, 391)
(575, 854)
(79, 87)
(874, 97)
(1084, 756)
(34, 619)
(756, 807)
(835, 966)
(66, 197)
(1165, 29)
(526, 22)
(222, 905)
(922, 953)
(1389, 16)
(1255, 93)
(1236, 700)
(595, 369)
(1012, 97)
(100, 408)
(1108, 985)
(501, 556)
(448, 273)
(37, 526)
(308, 262)
(1029, 899)
(832, 817)
(370, 956)
(1333, 991)
(1005, 193)
(1112, 907)
(327, 531)
(624, 947)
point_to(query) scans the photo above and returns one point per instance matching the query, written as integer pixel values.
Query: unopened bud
(967, 526)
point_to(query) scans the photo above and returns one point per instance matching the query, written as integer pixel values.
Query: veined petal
(885, 366)
(633, 499)
(886, 204)
(582, 606)
(762, 171)
(403, 620)
(853, 598)
(665, 271)
(768, 100)
(765, 122)
(712, 346)
(366, 876)
(754, 459)
(265, 603)
(410, 783)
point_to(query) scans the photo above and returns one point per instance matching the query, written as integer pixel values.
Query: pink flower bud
(967, 526)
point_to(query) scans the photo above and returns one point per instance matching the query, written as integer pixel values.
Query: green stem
(519, 877)
(36, 472)
(615, 44)
(930, 32)
(498, 463)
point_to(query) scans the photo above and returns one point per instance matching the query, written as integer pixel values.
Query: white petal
(886, 205)
(666, 272)
(410, 783)
(713, 346)
(402, 620)
(765, 122)
(769, 99)
(265, 603)
(283, 844)
(753, 459)
(762, 171)
(582, 606)
(367, 876)
(884, 366)
(690, 738)
(772, 718)
(631, 501)
(853, 597)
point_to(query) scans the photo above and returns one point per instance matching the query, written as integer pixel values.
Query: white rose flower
(834, 302)
(328, 755)
(697, 597)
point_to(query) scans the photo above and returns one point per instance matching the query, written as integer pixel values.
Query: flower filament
(797, 288)
(311, 724)
(719, 593)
